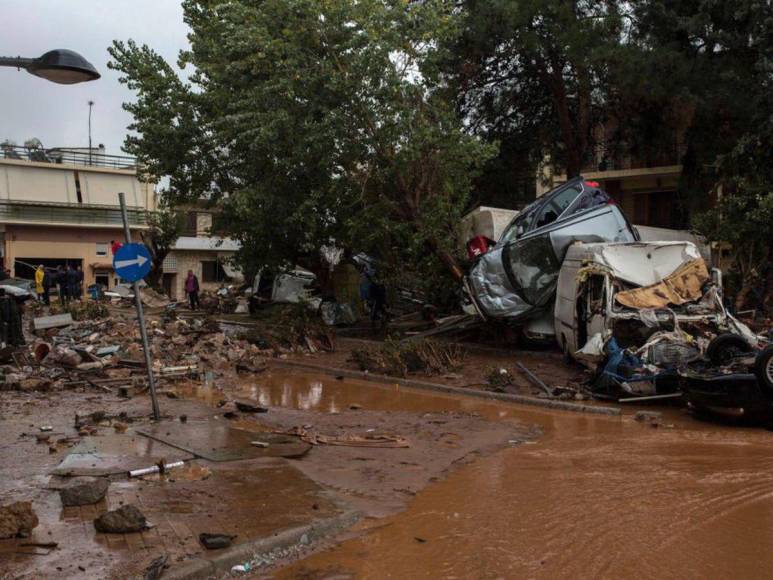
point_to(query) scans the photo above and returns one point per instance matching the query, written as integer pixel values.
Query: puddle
(595, 497)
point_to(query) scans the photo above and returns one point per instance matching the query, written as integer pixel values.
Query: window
(212, 271)
(102, 248)
(191, 226)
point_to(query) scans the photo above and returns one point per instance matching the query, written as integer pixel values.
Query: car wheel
(763, 368)
(725, 347)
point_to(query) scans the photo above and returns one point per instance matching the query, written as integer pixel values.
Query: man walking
(192, 290)
(79, 273)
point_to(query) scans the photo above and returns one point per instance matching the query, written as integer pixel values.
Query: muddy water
(595, 497)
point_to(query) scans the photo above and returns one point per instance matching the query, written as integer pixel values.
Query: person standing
(48, 281)
(192, 289)
(40, 275)
(72, 283)
(61, 281)
(79, 274)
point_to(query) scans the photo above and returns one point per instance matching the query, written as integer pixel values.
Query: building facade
(208, 256)
(60, 207)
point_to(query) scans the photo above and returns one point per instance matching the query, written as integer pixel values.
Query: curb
(507, 397)
(221, 564)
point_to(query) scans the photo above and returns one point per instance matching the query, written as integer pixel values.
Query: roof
(640, 263)
(202, 244)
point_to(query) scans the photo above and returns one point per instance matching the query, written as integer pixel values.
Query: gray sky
(58, 114)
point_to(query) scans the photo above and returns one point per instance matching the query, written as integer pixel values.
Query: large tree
(536, 72)
(311, 122)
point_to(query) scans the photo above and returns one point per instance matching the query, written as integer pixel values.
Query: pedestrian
(192, 290)
(72, 283)
(61, 281)
(10, 320)
(40, 275)
(48, 282)
(79, 272)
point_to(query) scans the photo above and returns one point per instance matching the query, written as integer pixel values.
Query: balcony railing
(67, 156)
(69, 214)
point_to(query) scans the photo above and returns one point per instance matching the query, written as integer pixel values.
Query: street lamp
(58, 66)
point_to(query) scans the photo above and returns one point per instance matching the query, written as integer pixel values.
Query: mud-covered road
(594, 497)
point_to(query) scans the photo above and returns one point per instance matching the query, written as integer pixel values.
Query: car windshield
(544, 210)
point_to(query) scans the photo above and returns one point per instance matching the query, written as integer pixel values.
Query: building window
(102, 248)
(170, 264)
(191, 223)
(212, 271)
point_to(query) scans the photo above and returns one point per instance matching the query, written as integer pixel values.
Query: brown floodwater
(594, 497)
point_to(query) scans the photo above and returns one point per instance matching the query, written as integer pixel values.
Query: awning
(102, 265)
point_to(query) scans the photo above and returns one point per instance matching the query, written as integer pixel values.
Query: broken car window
(533, 268)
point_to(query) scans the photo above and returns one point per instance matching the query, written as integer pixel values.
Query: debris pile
(410, 357)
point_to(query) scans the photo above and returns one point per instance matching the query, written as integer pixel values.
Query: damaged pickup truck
(649, 317)
(516, 280)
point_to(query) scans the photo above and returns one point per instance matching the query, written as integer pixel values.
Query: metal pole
(15, 62)
(141, 316)
(91, 104)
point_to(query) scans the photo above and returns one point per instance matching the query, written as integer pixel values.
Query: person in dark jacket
(192, 289)
(61, 281)
(48, 282)
(79, 272)
(72, 283)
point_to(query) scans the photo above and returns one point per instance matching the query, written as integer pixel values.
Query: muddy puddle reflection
(594, 497)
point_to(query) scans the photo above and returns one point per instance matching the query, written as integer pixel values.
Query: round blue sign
(132, 262)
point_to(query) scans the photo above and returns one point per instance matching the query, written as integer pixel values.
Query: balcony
(59, 156)
(69, 215)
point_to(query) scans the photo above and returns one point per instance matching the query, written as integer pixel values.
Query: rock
(84, 491)
(17, 519)
(121, 521)
(652, 417)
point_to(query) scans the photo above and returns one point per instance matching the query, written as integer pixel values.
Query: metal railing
(67, 156)
(65, 214)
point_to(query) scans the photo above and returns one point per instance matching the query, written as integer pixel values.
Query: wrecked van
(516, 280)
(634, 291)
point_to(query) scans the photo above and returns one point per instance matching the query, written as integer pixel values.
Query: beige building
(60, 207)
(208, 256)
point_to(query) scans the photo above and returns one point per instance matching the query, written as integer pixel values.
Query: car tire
(725, 347)
(763, 369)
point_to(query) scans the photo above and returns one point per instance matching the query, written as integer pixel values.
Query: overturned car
(516, 280)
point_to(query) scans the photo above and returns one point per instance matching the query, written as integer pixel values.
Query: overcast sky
(58, 114)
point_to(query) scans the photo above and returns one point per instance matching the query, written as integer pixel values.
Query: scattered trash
(160, 468)
(156, 568)
(259, 443)
(55, 321)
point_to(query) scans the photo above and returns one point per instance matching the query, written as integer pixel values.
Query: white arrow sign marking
(138, 261)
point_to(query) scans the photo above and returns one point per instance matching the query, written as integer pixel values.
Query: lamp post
(58, 66)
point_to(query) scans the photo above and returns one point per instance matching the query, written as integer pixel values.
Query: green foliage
(311, 121)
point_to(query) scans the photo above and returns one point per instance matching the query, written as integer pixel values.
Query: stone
(17, 519)
(84, 491)
(125, 519)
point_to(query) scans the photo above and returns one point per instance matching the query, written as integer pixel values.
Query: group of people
(68, 281)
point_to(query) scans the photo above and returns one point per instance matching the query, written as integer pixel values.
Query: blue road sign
(132, 262)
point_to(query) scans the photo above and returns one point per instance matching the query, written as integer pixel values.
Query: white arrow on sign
(138, 261)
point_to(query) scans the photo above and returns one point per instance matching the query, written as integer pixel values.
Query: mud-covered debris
(215, 541)
(247, 407)
(653, 418)
(84, 491)
(402, 358)
(156, 568)
(17, 520)
(127, 518)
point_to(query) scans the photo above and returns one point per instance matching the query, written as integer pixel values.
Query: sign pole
(141, 316)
